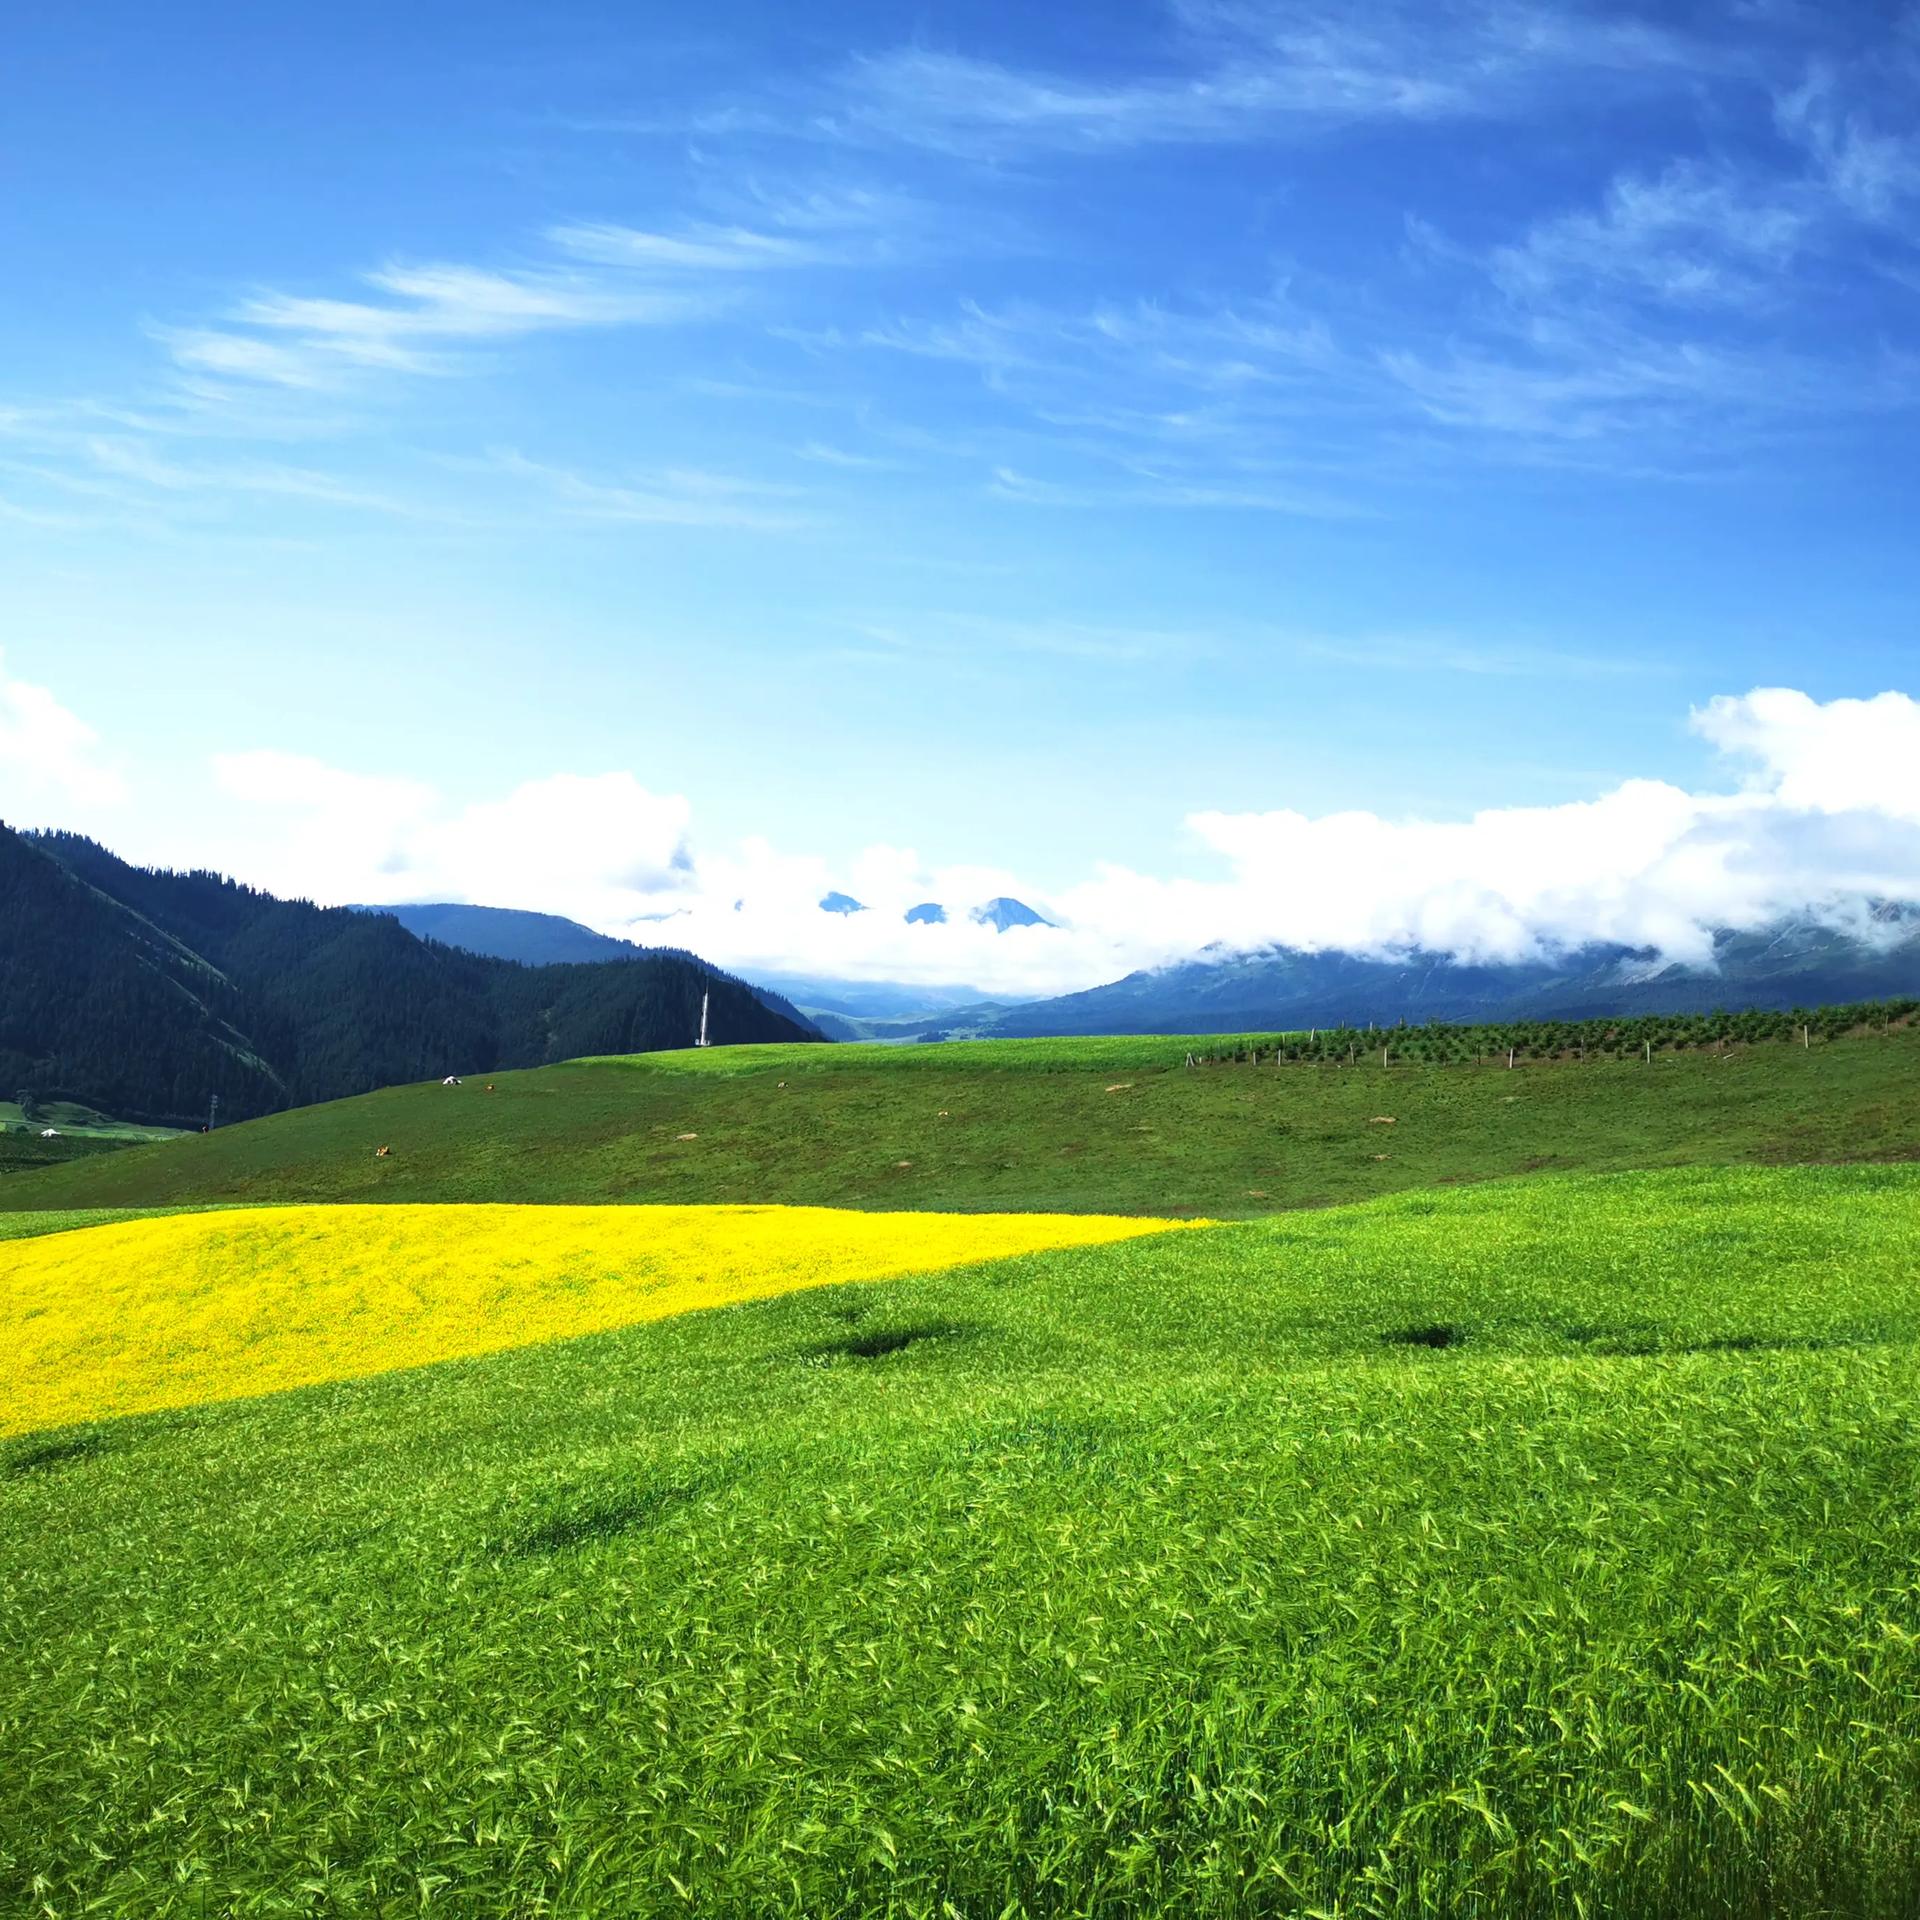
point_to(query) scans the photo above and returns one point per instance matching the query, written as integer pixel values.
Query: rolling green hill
(1532, 1550)
(1117, 1125)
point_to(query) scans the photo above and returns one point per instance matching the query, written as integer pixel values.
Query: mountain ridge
(1797, 962)
(147, 993)
(550, 939)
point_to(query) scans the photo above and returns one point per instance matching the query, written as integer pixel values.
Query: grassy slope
(27, 1153)
(1156, 1579)
(83, 1133)
(1015, 1125)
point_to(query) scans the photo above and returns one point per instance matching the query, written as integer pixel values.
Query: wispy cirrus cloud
(1145, 487)
(825, 455)
(291, 365)
(1695, 234)
(426, 318)
(699, 249)
(1660, 328)
(675, 497)
(136, 461)
(970, 637)
(1260, 70)
(320, 341)
(1838, 117)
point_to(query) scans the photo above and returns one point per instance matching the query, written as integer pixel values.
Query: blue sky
(1001, 436)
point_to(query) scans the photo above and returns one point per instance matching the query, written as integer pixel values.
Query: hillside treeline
(145, 992)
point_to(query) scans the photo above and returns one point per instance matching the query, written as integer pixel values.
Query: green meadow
(1105, 1126)
(1462, 1535)
(1532, 1549)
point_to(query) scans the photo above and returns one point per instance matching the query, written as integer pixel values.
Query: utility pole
(213, 1111)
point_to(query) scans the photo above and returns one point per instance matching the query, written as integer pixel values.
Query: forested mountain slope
(144, 992)
(548, 939)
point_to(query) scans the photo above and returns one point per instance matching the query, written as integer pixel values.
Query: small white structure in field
(49, 1133)
(452, 1080)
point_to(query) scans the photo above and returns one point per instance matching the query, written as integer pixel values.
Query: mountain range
(547, 939)
(1797, 963)
(146, 992)
(143, 992)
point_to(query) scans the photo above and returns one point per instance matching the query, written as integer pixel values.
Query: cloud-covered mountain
(1002, 912)
(1797, 963)
(1817, 813)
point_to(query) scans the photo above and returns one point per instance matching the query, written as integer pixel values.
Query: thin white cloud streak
(699, 249)
(317, 343)
(973, 637)
(676, 497)
(822, 454)
(1824, 820)
(604, 274)
(135, 461)
(1241, 73)
(1168, 490)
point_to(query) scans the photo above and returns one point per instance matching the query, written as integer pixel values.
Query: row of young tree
(1443, 1043)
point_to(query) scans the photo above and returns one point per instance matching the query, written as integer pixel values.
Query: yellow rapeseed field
(146, 1314)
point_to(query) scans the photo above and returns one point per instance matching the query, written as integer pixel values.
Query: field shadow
(40, 1456)
(599, 1520)
(876, 1343)
(1437, 1336)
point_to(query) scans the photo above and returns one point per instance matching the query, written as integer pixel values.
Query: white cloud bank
(51, 767)
(1822, 816)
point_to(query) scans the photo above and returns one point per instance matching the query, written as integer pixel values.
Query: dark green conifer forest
(146, 992)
